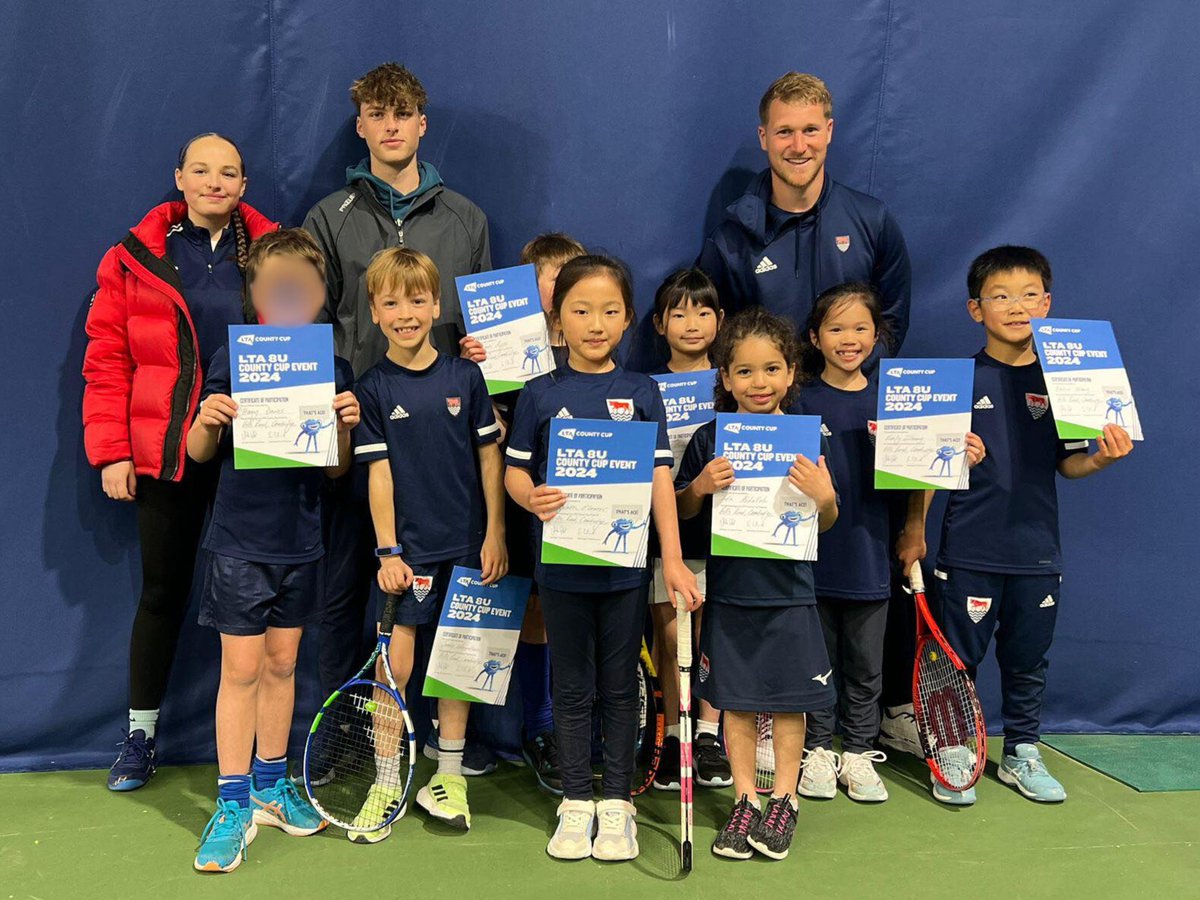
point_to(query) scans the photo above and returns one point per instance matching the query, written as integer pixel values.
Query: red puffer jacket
(143, 378)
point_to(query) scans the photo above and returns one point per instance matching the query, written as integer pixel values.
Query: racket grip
(387, 621)
(916, 578)
(683, 635)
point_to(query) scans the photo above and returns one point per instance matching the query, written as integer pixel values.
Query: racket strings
(947, 715)
(359, 757)
(764, 752)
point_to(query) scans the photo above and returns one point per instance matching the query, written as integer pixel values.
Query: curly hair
(391, 86)
(753, 322)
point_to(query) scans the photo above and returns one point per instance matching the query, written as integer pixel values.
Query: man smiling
(796, 231)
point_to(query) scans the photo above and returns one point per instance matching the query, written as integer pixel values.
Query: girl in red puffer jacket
(165, 296)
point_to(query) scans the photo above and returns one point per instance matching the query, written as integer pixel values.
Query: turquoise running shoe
(1028, 774)
(225, 838)
(957, 763)
(282, 807)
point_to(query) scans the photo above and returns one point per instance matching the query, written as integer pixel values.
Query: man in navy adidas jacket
(796, 232)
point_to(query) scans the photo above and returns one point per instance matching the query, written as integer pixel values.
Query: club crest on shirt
(421, 586)
(620, 410)
(454, 405)
(1037, 405)
(704, 670)
(977, 608)
(872, 430)
(843, 242)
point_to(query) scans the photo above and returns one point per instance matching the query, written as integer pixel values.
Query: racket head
(948, 715)
(764, 754)
(652, 726)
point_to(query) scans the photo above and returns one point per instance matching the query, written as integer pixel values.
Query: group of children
(455, 477)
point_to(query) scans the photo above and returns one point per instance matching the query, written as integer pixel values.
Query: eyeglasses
(1025, 301)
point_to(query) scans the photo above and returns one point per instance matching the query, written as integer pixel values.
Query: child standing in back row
(761, 649)
(687, 314)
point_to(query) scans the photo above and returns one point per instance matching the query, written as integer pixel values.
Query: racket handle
(916, 578)
(683, 635)
(387, 621)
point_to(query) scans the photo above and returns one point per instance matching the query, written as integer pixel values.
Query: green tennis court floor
(63, 835)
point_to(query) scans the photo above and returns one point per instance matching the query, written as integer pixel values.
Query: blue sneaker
(477, 759)
(135, 763)
(282, 807)
(1027, 773)
(225, 839)
(957, 763)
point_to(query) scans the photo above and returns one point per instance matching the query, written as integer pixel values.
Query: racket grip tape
(387, 621)
(683, 634)
(916, 577)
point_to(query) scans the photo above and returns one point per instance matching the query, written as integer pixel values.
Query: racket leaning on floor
(949, 718)
(358, 759)
(683, 634)
(652, 724)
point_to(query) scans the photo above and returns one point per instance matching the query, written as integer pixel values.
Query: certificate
(688, 398)
(1085, 378)
(476, 640)
(282, 380)
(503, 311)
(762, 515)
(606, 470)
(921, 424)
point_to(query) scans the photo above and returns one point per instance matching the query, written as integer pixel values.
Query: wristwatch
(384, 552)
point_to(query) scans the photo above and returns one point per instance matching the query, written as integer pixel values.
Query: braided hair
(236, 222)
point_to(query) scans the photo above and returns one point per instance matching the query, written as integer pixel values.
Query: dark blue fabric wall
(1070, 126)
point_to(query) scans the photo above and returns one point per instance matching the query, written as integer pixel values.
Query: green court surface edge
(65, 836)
(1145, 762)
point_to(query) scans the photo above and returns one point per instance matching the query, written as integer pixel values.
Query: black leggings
(594, 641)
(170, 519)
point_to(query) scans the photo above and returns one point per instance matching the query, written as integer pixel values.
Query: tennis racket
(683, 633)
(358, 759)
(764, 754)
(652, 724)
(949, 717)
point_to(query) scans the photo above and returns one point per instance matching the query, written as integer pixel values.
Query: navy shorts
(244, 598)
(764, 659)
(421, 604)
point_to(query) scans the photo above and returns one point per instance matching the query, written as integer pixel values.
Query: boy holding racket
(999, 567)
(436, 488)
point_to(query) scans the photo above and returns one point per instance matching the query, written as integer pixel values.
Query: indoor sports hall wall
(1071, 126)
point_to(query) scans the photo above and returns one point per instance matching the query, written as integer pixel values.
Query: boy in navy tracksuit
(999, 567)
(796, 232)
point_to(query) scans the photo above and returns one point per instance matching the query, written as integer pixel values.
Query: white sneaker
(616, 838)
(898, 730)
(572, 838)
(819, 774)
(858, 775)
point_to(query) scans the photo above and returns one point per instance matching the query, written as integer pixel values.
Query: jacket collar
(750, 210)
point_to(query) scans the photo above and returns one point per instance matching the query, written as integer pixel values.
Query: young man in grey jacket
(390, 200)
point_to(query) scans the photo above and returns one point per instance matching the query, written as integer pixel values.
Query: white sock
(705, 727)
(145, 719)
(387, 770)
(673, 731)
(450, 756)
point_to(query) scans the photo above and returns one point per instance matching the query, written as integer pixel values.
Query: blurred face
(846, 336)
(1006, 304)
(593, 317)
(546, 277)
(287, 290)
(392, 134)
(211, 178)
(689, 328)
(405, 318)
(758, 377)
(796, 139)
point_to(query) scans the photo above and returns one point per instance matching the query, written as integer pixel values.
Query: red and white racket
(949, 718)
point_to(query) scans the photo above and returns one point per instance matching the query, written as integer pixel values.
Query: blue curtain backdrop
(1071, 126)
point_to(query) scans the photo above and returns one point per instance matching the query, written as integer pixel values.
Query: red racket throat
(945, 705)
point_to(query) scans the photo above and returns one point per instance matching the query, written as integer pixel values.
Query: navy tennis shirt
(428, 425)
(853, 561)
(1007, 521)
(740, 581)
(265, 515)
(568, 394)
(211, 279)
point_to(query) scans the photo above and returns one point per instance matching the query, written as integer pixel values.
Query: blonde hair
(551, 249)
(401, 269)
(796, 87)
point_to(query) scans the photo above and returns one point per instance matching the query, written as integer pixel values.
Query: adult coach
(796, 231)
(165, 296)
